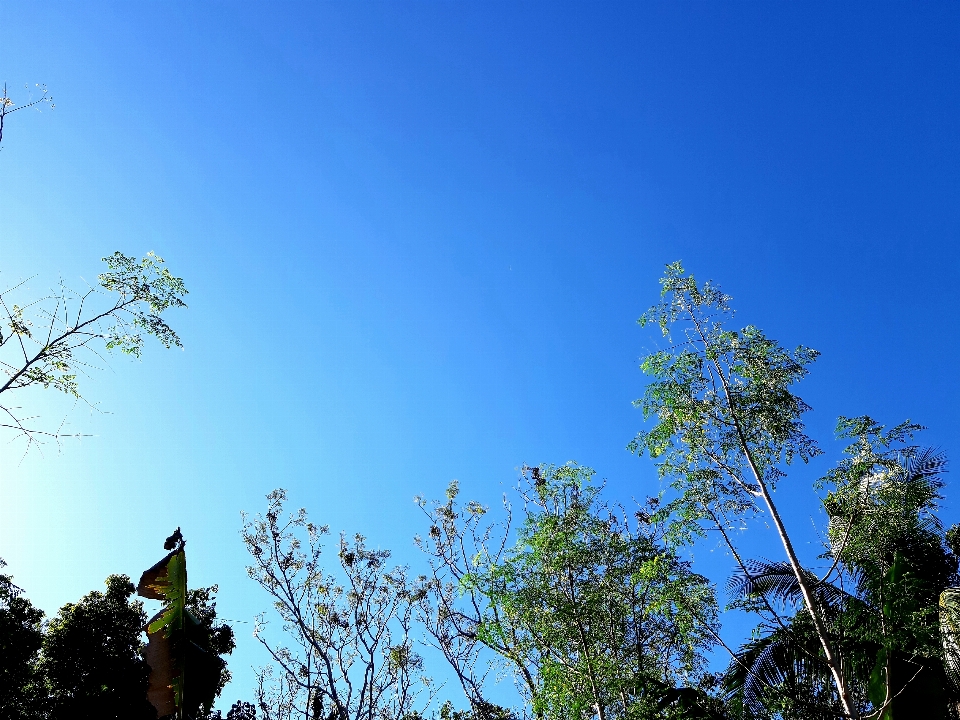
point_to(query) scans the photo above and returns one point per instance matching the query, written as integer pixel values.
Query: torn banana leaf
(166, 581)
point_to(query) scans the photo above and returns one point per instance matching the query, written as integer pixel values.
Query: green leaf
(167, 581)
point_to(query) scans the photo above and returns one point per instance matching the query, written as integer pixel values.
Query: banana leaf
(166, 647)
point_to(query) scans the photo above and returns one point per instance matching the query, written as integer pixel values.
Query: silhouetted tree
(21, 636)
(212, 636)
(92, 657)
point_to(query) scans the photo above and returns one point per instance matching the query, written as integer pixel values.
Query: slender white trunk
(832, 660)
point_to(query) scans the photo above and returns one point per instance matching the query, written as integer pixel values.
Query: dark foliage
(216, 638)
(891, 561)
(88, 661)
(238, 711)
(21, 636)
(92, 657)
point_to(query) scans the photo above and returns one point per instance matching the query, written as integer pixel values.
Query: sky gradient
(417, 236)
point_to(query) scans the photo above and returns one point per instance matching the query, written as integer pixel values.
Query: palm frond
(782, 672)
(777, 582)
(928, 462)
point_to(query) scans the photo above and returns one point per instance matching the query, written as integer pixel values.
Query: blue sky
(417, 237)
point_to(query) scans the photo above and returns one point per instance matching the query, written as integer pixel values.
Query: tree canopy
(592, 609)
(92, 656)
(21, 637)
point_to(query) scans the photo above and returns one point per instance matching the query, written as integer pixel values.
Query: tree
(449, 606)
(47, 341)
(351, 655)
(728, 429)
(891, 565)
(92, 662)
(92, 656)
(593, 613)
(891, 550)
(8, 106)
(21, 636)
(608, 618)
(238, 711)
(211, 635)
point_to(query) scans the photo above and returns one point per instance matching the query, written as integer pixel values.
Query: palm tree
(890, 563)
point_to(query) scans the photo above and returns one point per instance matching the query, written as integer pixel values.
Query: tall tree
(727, 431)
(728, 427)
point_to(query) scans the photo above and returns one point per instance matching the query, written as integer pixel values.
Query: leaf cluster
(22, 690)
(725, 417)
(47, 342)
(589, 612)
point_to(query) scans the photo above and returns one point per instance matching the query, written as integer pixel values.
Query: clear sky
(417, 236)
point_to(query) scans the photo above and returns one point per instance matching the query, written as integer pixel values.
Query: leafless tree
(349, 652)
(452, 608)
(8, 106)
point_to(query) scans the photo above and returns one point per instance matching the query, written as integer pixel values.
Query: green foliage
(488, 711)
(146, 288)
(47, 341)
(169, 586)
(595, 614)
(891, 566)
(22, 691)
(589, 609)
(725, 417)
(779, 673)
(888, 541)
(92, 656)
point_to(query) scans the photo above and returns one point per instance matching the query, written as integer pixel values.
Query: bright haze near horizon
(417, 237)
